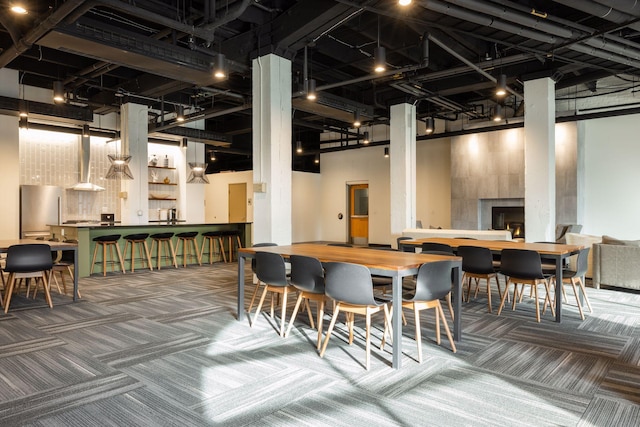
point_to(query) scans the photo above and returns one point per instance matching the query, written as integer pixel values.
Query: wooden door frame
(350, 207)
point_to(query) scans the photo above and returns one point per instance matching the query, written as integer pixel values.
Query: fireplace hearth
(508, 218)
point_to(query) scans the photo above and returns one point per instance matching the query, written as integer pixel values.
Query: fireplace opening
(508, 218)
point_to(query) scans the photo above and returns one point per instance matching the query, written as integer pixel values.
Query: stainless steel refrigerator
(40, 206)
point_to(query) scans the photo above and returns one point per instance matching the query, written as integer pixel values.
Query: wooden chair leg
(294, 314)
(336, 311)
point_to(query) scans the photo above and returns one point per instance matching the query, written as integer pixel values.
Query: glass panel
(361, 201)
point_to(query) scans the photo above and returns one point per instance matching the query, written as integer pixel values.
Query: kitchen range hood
(85, 157)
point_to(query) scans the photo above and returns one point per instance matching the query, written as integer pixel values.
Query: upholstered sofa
(616, 263)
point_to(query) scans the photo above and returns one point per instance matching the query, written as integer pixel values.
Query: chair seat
(107, 239)
(187, 235)
(139, 236)
(159, 236)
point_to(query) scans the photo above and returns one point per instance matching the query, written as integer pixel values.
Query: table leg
(76, 273)
(241, 260)
(396, 321)
(558, 289)
(457, 303)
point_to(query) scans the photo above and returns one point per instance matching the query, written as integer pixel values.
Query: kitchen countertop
(103, 225)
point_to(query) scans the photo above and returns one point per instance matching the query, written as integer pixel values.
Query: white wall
(433, 190)
(216, 195)
(368, 165)
(612, 173)
(306, 207)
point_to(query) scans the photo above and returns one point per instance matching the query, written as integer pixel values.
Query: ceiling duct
(84, 167)
(335, 107)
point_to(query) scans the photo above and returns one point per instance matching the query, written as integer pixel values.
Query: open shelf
(159, 167)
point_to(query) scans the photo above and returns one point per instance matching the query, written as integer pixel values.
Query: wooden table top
(371, 258)
(497, 245)
(5, 243)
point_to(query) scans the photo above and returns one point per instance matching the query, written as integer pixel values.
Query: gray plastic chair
(271, 271)
(350, 285)
(307, 275)
(477, 264)
(577, 277)
(432, 283)
(446, 252)
(253, 268)
(27, 262)
(433, 246)
(524, 267)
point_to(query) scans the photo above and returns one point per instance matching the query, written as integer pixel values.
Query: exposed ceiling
(442, 55)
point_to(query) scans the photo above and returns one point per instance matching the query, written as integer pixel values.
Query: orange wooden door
(359, 214)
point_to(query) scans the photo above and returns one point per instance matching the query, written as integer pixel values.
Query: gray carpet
(163, 348)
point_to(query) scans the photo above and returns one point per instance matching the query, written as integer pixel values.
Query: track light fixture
(23, 108)
(386, 152)
(356, 119)
(430, 125)
(58, 91)
(365, 138)
(220, 69)
(380, 55)
(311, 89)
(19, 8)
(501, 85)
(498, 113)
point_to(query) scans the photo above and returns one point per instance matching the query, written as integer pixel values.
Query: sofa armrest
(617, 265)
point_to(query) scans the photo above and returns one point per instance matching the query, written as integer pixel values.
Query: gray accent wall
(487, 169)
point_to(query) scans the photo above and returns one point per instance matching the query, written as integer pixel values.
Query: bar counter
(85, 232)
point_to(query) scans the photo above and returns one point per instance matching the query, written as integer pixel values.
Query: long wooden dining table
(393, 264)
(556, 252)
(55, 246)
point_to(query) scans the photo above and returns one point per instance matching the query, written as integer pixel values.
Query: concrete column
(403, 168)
(134, 138)
(539, 160)
(272, 149)
(10, 159)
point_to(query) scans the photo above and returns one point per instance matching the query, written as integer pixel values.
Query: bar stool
(188, 240)
(213, 237)
(163, 240)
(105, 242)
(140, 240)
(233, 244)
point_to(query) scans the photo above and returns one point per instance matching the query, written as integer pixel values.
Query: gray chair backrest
(270, 269)
(433, 281)
(307, 273)
(476, 260)
(405, 248)
(521, 263)
(582, 264)
(28, 258)
(259, 245)
(350, 283)
(432, 246)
